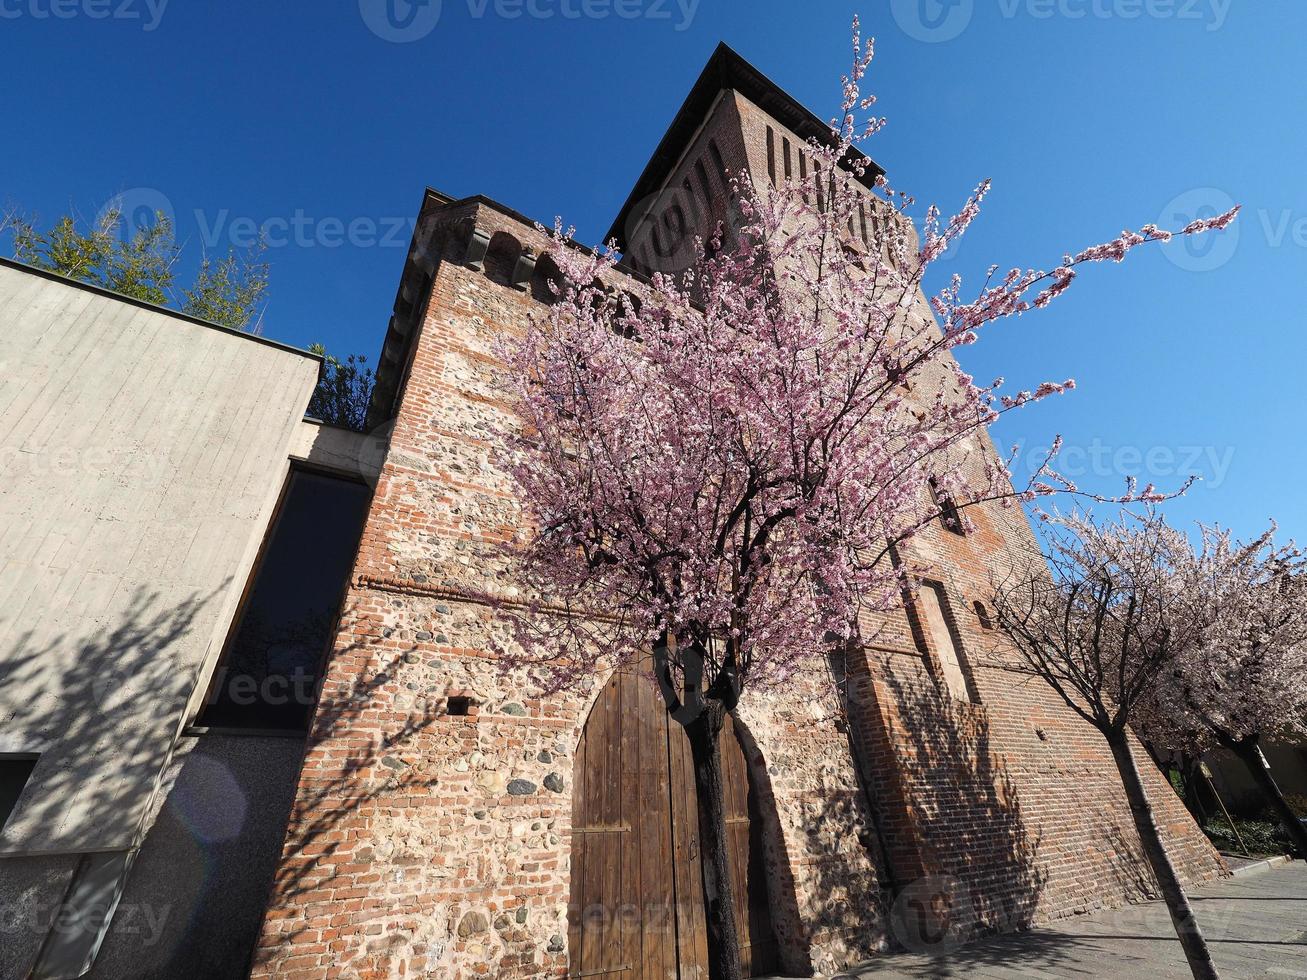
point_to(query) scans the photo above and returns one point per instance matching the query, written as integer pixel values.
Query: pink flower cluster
(727, 456)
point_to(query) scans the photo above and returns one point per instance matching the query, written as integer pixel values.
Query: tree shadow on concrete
(100, 706)
(102, 709)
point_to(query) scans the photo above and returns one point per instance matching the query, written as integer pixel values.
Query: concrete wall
(1288, 762)
(141, 453)
(195, 894)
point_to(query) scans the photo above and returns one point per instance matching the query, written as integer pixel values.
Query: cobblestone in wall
(426, 843)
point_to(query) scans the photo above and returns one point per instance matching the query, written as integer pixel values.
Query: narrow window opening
(951, 660)
(15, 771)
(785, 151)
(691, 200)
(949, 515)
(719, 164)
(982, 614)
(771, 155)
(701, 172)
(458, 706)
(269, 673)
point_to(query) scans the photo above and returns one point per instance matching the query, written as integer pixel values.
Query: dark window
(268, 675)
(459, 706)
(15, 771)
(702, 174)
(771, 155)
(719, 164)
(949, 515)
(982, 614)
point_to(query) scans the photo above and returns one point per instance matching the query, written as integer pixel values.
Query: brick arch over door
(636, 910)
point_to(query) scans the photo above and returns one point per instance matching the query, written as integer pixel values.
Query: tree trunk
(1249, 753)
(1191, 772)
(723, 940)
(1177, 903)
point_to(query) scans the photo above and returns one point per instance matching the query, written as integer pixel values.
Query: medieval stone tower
(452, 822)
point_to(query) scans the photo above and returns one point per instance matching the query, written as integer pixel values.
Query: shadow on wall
(768, 844)
(102, 711)
(338, 793)
(964, 863)
(103, 696)
(194, 897)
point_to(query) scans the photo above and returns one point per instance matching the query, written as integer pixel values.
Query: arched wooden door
(636, 909)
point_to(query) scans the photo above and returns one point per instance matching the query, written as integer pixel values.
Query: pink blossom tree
(715, 465)
(1247, 680)
(1119, 612)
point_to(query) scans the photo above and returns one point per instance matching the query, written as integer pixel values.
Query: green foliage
(227, 291)
(1262, 837)
(140, 266)
(230, 290)
(1297, 803)
(343, 394)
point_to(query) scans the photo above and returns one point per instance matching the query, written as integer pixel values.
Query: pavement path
(1255, 923)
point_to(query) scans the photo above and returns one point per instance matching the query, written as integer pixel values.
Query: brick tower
(448, 815)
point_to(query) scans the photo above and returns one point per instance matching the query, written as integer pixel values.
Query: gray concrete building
(175, 538)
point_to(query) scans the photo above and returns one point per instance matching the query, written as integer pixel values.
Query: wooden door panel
(691, 924)
(636, 909)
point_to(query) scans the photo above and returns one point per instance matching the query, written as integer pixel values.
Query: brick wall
(424, 843)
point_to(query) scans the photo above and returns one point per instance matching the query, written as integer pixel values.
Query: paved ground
(1255, 922)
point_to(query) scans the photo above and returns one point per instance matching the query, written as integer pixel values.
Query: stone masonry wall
(426, 843)
(435, 845)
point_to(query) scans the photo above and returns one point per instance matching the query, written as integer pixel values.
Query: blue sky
(325, 121)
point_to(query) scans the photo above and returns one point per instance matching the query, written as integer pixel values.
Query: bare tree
(1115, 613)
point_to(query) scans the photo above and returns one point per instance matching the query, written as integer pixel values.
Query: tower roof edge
(726, 69)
